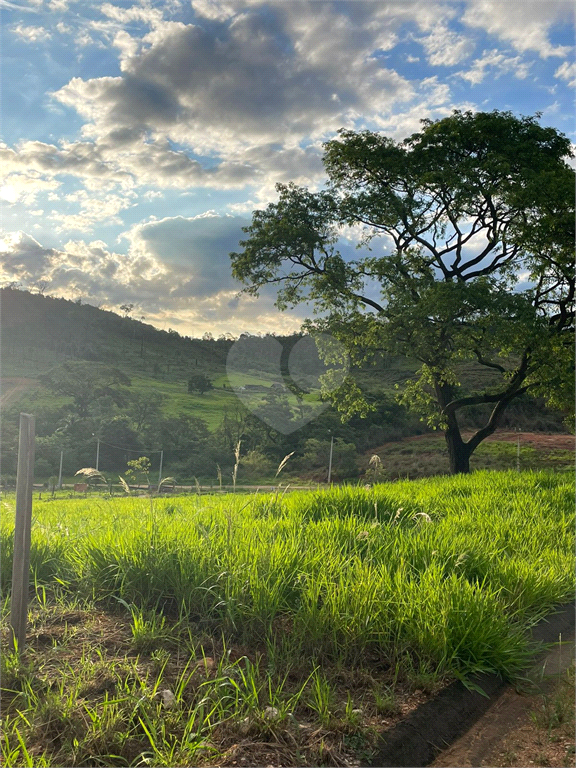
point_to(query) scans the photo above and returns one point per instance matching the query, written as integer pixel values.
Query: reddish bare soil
(538, 440)
(12, 388)
(531, 726)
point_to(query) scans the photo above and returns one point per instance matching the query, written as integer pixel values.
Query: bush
(43, 468)
(255, 465)
(344, 457)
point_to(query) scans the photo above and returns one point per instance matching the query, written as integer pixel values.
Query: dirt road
(12, 388)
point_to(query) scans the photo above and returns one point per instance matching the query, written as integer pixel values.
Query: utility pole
(97, 452)
(330, 461)
(518, 452)
(60, 471)
(160, 472)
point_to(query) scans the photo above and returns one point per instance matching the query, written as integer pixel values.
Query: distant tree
(41, 286)
(144, 407)
(85, 383)
(199, 383)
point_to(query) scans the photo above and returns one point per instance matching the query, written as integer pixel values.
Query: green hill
(40, 333)
(91, 375)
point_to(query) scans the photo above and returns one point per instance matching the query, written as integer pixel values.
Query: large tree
(86, 383)
(467, 231)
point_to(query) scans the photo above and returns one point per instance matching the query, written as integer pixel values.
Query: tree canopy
(199, 382)
(466, 231)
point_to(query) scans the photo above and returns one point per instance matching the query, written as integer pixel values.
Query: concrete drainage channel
(435, 725)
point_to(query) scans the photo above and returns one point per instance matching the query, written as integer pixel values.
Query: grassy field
(273, 629)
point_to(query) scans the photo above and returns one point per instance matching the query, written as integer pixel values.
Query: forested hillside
(93, 377)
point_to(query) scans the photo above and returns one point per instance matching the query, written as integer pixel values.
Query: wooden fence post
(22, 530)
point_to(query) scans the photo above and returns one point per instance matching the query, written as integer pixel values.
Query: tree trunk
(458, 452)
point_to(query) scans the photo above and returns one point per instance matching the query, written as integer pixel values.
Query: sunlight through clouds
(154, 130)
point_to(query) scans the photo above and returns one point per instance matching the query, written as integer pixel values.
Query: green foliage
(273, 616)
(467, 204)
(139, 469)
(86, 384)
(199, 383)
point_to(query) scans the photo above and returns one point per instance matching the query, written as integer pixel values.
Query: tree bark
(458, 452)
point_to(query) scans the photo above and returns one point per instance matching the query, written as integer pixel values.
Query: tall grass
(444, 573)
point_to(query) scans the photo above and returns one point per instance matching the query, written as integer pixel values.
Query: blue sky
(139, 137)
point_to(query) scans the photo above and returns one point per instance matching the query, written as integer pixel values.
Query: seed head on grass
(283, 463)
(166, 481)
(124, 484)
(91, 474)
(237, 464)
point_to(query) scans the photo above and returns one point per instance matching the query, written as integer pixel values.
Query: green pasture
(449, 570)
(272, 629)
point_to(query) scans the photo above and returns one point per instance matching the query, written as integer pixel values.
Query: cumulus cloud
(496, 64)
(92, 210)
(444, 47)
(567, 71)
(195, 248)
(250, 85)
(176, 272)
(31, 34)
(22, 257)
(527, 30)
(249, 104)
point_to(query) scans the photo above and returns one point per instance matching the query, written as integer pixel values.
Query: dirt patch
(528, 726)
(538, 440)
(12, 388)
(477, 725)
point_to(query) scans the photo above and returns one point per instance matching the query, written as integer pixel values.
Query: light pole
(97, 449)
(60, 471)
(160, 472)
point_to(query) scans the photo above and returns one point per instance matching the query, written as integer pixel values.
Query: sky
(138, 137)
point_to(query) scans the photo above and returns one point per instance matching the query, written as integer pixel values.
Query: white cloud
(215, 9)
(92, 210)
(23, 187)
(445, 48)
(30, 34)
(144, 13)
(525, 25)
(497, 64)
(58, 6)
(567, 71)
